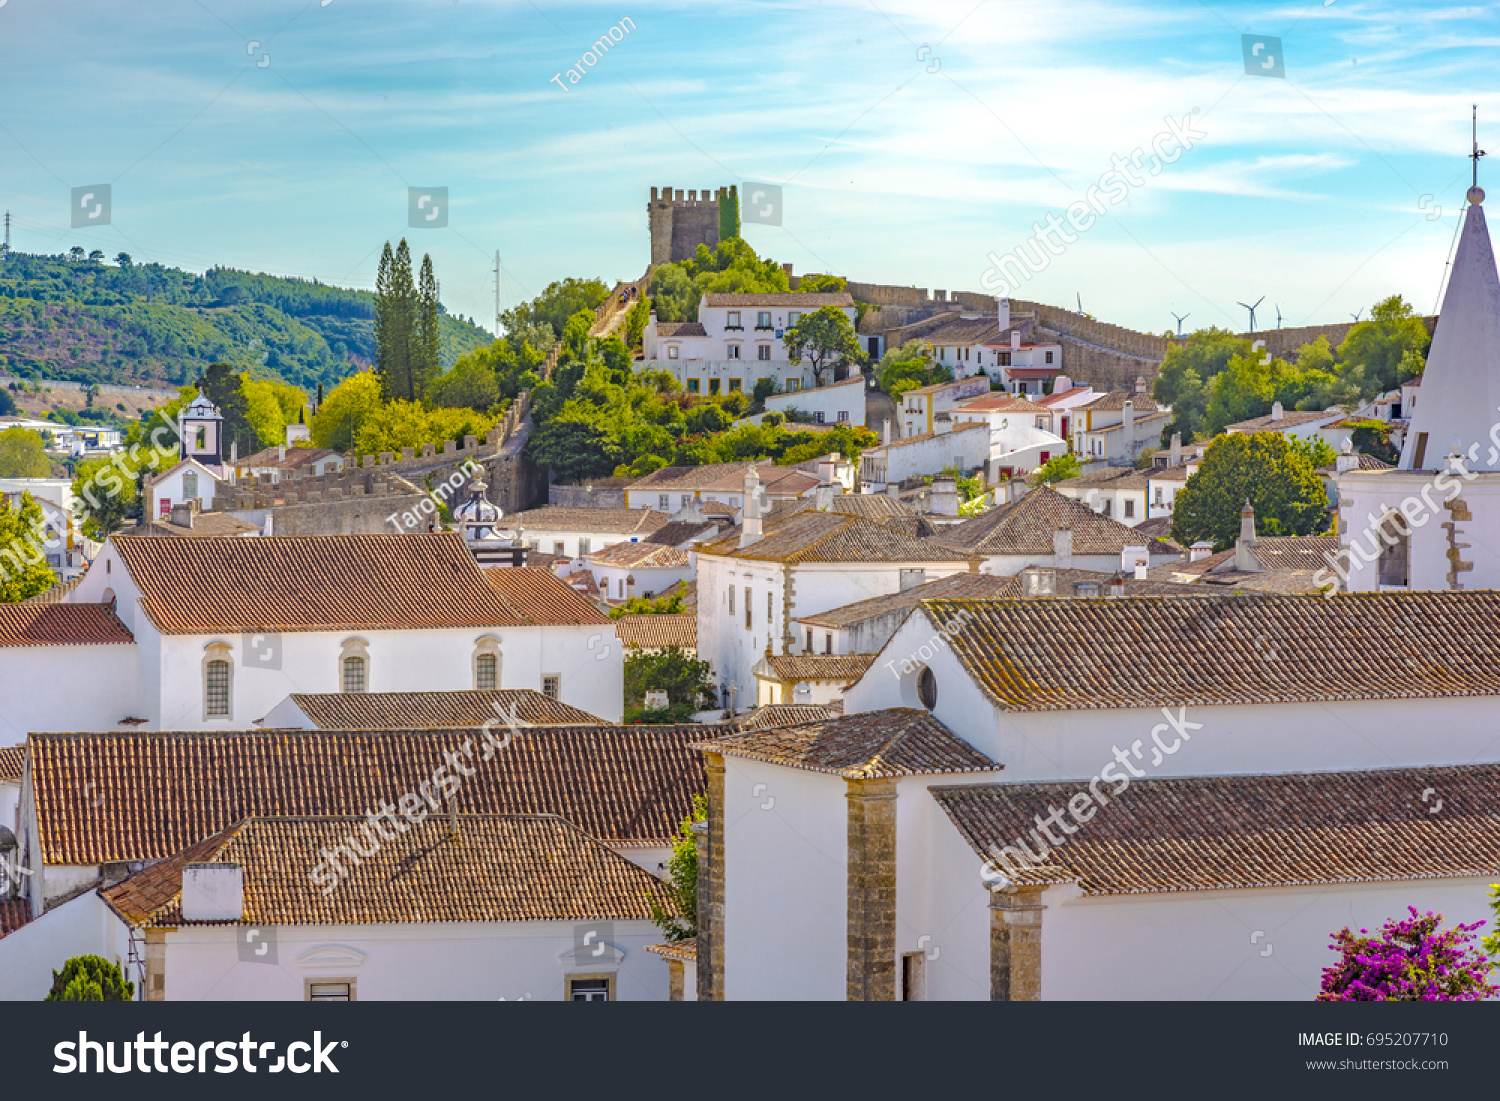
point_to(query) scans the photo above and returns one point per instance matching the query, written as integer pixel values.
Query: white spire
(1460, 395)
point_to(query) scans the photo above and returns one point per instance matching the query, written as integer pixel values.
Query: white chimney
(1015, 340)
(1002, 305)
(1200, 550)
(1347, 460)
(213, 892)
(823, 495)
(1062, 548)
(1135, 560)
(1140, 384)
(1244, 558)
(1062, 384)
(1127, 418)
(944, 499)
(885, 432)
(1117, 585)
(1176, 448)
(750, 513)
(281, 452)
(1276, 411)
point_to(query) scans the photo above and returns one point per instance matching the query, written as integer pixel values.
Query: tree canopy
(90, 979)
(687, 682)
(345, 408)
(1277, 479)
(907, 368)
(23, 568)
(23, 454)
(825, 338)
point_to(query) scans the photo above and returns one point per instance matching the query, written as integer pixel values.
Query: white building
(1434, 521)
(1074, 799)
(1118, 492)
(211, 634)
(999, 350)
(756, 580)
(919, 408)
(1296, 424)
(674, 487)
(736, 342)
(283, 462)
(966, 447)
(578, 532)
(835, 403)
(1115, 428)
(638, 569)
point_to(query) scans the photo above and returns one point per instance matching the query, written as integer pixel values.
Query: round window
(927, 689)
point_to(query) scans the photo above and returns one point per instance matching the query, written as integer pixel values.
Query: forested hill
(87, 320)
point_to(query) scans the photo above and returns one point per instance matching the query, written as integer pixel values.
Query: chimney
(182, 515)
(944, 496)
(1038, 581)
(750, 511)
(1200, 550)
(1134, 559)
(1062, 548)
(1244, 558)
(1015, 340)
(281, 452)
(823, 495)
(1117, 585)
(213, 892)
(885, 432)
(1002, 306)
(1127, 419)
(1140, 384)
(1176, 449)
(1347, 460)
(1062, 384)
(1276, 411)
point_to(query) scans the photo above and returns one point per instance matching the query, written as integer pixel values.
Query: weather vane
(1475, 195)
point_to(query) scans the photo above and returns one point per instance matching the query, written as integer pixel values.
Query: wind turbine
(1180, 320)
(1356, 315)
(1251, 308)
(1278, 315)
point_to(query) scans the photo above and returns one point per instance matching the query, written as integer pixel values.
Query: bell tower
(203, 433)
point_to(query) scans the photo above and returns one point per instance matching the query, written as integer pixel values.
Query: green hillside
(87, 321)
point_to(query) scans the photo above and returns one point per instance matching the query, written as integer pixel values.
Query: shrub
(1409, 961)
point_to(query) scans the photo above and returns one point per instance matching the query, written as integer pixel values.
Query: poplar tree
(427, 351)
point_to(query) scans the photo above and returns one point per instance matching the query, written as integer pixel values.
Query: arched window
(487, 662)
(218, 681)
(927, 689)
(354, 665)
(1395, 550)
(189, 484)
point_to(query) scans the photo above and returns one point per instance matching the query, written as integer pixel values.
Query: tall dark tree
(395, 324)
(729, 212)
(223, 386)
(426, 363)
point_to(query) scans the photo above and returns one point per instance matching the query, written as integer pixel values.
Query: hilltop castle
(679, 225)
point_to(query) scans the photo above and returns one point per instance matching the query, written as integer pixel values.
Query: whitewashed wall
(83, 926)
(66, 688)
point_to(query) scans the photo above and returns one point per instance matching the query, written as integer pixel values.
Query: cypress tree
(384, 333)
(427, 353)
(403, 328)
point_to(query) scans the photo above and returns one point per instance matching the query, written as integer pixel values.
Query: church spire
(1458, 406)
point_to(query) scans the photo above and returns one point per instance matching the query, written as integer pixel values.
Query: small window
(713, 385)
(763, 352)
(733, 321)
(827, 642)
(734, 383)
(552, 686)
(1421, 452)
(584, 546)
(200, 439)
(927, 689)
(354, 674)
(809, 640)
(792, 318)
(189, 484)
(1129, 508)
(330, 991)
(747, 608)
(843, 416)
(793, 385)
(588, 990)
(217, 688)
(1049, 357)
(1005, 359)
(486, 670)
(663, 501)
(732, 351)
(672, 354)
(763, 319)
(770, 609)
(559, 548)
(818, 417)
(692, 384)
(1395, 550)
(914, 977)
(731, 600)
(620, 590)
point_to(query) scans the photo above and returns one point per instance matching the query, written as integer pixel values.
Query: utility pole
(7, 231)
(497, 292)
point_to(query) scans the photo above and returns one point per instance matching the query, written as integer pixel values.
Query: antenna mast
(497, 292)
(7, 231)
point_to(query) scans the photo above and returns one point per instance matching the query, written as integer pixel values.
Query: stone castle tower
(679, 225)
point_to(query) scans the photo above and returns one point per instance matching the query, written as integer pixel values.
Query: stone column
(674, 980)
(156, 965)
(1016, 944)
(871, 874)
(710, 841)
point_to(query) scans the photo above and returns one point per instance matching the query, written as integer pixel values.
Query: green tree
(682, 879)
(1186, 373)
(103, 496)
(1315, 449)
(1057, 469)
(708, 417)
(575, 451)
(636, 319)
(90, 979)
(825, 338)
(1389, 348)
(1278, 480)
(427, 345)
(23, 554)
(908, 367)
(471, 383)
(1242, 390)
(396, 328)
(23, 454)
(687, 682)
(397, 424)
(552, 309)
(729, 212)
(123, 259)
(640, 605)
(344, 410)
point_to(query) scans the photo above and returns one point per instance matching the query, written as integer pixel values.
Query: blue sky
(911, 138)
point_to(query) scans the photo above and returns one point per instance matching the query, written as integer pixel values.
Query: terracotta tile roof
(160, 792)
(811, 301)
(1190, 571)
(498, 868)
(437, 710)
(1114, 401)
(688, 590)
(1069, 581)
(539, 598)
(907, 441)
(1290, 418)
(683, 950)
(899, 741)
(782, 714)
(653, 556)
(612, 521)
(12, 761)
(958, 586)
(999, 403)
(206, 525)
(14, 913)
(881, 508)
(726, 478)
(840, 668)
(1179, 473)
(313, 583)
(61, 625)
(1365, 462)
(1053, 399)
(1294, 552)
(654, 632)
(680, 328)
(1026, 527)
(1158, 527)
(582, 582)
(1227, 832)
(1075, 655)
(938, 387)
(968, 330)
(1282, 582)
(681, 533)
(832, 537)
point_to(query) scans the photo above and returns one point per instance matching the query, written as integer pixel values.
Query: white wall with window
(839, 403)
